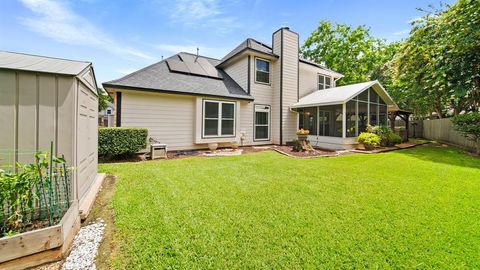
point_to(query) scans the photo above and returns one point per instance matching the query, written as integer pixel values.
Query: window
(109, 111)
(262, 71)
(324, 82)
(218, 118)
(262, 123)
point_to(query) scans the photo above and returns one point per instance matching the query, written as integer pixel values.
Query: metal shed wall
(37, 108)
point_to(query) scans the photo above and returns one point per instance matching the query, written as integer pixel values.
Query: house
(257, 94)
(106, 115)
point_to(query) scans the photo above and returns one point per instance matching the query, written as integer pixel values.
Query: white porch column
(344, 120)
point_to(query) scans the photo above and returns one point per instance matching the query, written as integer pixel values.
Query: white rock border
(85, 247)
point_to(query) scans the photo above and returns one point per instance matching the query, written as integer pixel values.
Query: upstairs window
(218, 118)
(262, 71)
(324, 82)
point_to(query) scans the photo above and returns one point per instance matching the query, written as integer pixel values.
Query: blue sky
(121, 36)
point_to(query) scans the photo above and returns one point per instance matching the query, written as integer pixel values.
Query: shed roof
(159, 77)
(342, 94)
(28, 62)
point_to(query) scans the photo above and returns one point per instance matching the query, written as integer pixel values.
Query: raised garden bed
(40, 246)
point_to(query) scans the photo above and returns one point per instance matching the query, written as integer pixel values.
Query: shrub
(387, 136)
(369, 140)
(116, 142)
(469, 126)
(393, 139)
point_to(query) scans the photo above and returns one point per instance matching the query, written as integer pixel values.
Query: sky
(120, 36)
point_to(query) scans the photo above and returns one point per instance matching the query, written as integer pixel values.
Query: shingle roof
(159, 78)
(341, 94)
(27, 62)
(251, 44)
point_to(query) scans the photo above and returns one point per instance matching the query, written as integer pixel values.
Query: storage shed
(44, 100)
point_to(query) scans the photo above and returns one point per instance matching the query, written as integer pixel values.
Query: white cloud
(203, 13)
(55, 20)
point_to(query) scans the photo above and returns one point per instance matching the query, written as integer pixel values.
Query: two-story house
(257, 94)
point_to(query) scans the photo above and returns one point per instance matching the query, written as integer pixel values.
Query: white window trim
(219, 119)
(268, 111)
(323, 81)
(269, 70)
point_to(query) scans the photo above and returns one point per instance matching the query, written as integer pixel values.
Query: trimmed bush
(369, 140)
(119, 141)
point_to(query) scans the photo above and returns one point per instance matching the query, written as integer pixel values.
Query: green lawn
(415, 208)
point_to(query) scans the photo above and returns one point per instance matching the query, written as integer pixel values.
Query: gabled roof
(259, 47)
(342, 94)
(35, 63)
(249, 44)
(160, 78)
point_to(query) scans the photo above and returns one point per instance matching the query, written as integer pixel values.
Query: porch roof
(342, 94)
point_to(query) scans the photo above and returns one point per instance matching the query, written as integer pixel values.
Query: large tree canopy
(350, 51)
(436, 69)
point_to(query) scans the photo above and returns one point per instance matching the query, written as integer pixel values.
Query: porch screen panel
(383, 115)
(373, 114)
(352, 118)
(362, 116)
(331, 120)
(308, 119)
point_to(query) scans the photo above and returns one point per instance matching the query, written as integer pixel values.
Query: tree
(103, 99)
(350, 51)
(437, 68)
(469, 125)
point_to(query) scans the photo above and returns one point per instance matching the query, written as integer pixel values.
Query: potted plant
(369, 140)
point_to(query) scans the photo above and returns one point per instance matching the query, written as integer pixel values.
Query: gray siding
(168, 118)
(39, 108)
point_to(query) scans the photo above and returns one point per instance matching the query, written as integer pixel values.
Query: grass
(415, 208)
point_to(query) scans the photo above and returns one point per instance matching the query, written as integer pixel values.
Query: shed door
(87, 136)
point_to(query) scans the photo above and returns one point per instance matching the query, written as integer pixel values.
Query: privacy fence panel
(442, 130)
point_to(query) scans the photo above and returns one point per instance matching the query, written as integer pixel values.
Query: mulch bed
(404, 145)
(287, 150)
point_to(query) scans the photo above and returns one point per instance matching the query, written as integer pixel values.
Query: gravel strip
(85, 247)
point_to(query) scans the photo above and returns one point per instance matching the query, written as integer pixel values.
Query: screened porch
(333, 124)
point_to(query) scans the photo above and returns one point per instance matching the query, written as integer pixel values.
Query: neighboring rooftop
(27, 62)
(186, 77)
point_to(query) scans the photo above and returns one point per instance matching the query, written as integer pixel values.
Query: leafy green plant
(119, 141)
(387, 136)
(36, 193)
(469, 125)
(369, 140)
(393, 139)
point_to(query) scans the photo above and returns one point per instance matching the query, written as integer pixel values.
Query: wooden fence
(442, 130)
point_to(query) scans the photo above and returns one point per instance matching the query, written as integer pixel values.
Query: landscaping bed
(288, 151)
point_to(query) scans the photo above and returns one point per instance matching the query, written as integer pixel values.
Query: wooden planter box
(40, 246)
